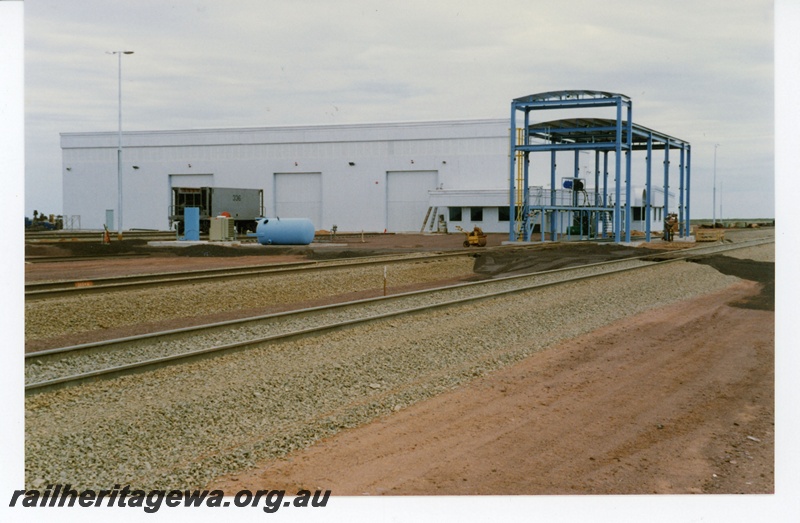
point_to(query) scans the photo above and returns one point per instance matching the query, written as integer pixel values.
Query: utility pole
(714, 196)
(119, 141)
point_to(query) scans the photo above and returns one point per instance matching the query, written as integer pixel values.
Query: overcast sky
(698, 70)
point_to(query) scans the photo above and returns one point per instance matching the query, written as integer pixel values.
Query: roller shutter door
(407, 199)
(299, 195)
(191, 180)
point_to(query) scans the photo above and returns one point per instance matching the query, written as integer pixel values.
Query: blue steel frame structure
(591, 134)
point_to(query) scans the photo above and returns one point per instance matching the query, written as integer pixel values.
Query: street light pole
(714, 197)
(119, 142)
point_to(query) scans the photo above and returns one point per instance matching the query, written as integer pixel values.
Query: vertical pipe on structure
(541, 223)
(617, 172)
(519, 208)
(688, 187)
(680, 190)
(527, 227)
(628, 153)
(596, 189)
(552, 193)
(648, 192)
(526, 198)
(666, 178)
(628, 197)
(512, 156)
(574, 200)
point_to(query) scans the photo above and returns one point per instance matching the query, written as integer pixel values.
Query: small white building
(489, 209)
(397, 177)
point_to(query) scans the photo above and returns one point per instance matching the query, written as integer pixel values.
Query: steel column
(596, 191)
(605, 189)
(552, 192)
(617, 172)
(666, 179)
(680, 191)
(647, 186)
(527, 227)
(688, 188)
(526, 219)
(574, 200)
(628, 199)
(512, 156)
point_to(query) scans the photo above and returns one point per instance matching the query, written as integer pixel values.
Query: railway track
(46, 370)
(62, 288)
(63, 236)
(62, 259)
(54, 289)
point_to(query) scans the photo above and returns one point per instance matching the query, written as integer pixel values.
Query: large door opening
(299, 195)
(407, 199)
(185, 180)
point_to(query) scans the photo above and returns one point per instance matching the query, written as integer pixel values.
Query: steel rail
(52, 289)
(68, 236)
(149, 364)
(65, 236)
(63, 259)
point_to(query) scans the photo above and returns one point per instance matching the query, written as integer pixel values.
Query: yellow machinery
(476, 237)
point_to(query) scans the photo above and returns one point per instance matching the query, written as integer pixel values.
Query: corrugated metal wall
(367, 177)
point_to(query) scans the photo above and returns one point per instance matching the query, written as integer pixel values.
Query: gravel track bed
(77, 314)
(68, 364)
(758, 253)
(182, 426)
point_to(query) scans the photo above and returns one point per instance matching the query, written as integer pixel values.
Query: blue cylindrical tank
(284, 231)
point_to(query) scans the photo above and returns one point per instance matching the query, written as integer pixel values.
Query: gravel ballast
(76, 362)
(61, 316)
(185, 425)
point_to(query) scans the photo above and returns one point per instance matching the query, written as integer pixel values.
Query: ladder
(608, 226)
(432, 215)
(533, 214)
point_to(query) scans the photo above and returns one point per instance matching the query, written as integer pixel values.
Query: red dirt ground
(676, 400)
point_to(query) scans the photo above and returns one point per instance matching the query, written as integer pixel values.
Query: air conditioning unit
(222, 228)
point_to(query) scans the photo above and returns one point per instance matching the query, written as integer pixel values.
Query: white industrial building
(397, 177)
(371, 177)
